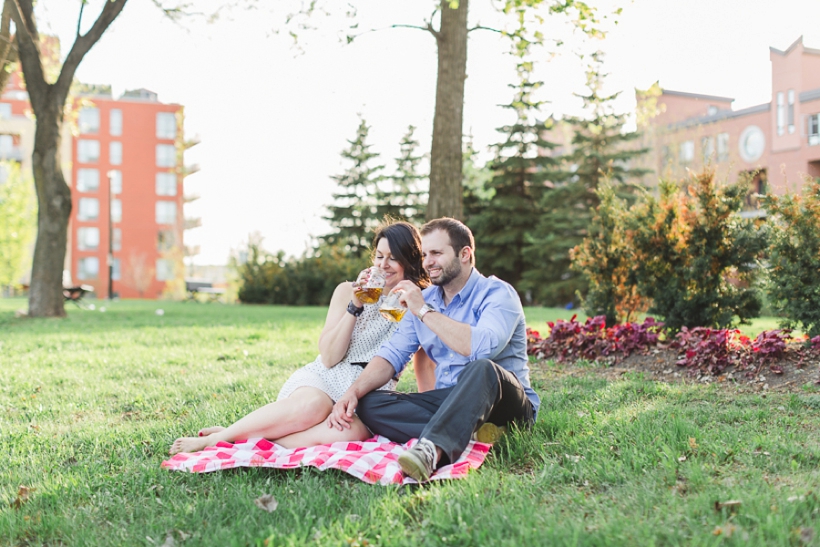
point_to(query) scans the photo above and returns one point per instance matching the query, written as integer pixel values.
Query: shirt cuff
(483, 343)
(391, 357)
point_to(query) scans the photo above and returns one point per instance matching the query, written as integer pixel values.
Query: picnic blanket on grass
(374, 461)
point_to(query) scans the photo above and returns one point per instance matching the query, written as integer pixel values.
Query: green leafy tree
(406, 197)
(17, 224)
(477, 190)
(793, 283)
(601, 150)
(355, 211)
(520, 172)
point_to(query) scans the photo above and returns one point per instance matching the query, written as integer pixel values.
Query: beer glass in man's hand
(392, 309)
(369, 285)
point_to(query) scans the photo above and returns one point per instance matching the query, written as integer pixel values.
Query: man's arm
(377, 373)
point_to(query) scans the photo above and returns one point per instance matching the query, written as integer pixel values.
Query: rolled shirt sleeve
(402, 345)
(498, 318)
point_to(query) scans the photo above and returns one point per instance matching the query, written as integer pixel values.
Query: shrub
(794, 258)
(305, 281)
(694, 256)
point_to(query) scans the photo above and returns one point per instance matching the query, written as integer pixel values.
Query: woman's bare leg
(306, 407)
(322, 434)
(204, 432)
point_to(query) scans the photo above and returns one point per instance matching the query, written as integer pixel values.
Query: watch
(425, 309)
(354, 310)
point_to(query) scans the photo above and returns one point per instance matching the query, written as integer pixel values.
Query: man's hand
(411, 296)
(342, 415)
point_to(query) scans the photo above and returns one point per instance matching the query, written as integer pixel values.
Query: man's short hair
(459, 234)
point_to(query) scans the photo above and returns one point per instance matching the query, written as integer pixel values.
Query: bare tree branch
(80, 17)
(84, 43)
(28, 40)
(481, 27)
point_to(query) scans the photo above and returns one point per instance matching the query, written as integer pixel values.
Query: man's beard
(448, 273)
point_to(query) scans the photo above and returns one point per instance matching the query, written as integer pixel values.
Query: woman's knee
(310, 405)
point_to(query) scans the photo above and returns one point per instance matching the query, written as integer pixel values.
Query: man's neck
(452, 288)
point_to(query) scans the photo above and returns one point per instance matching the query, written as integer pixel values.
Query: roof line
(721, 115)
(697, 95)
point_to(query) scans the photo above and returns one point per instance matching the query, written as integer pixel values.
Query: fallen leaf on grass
(727, 530)
(169, 540)
(806, 535)
(23, 494)
(266, 503)
(731, 504)
(693, 445)
(682, 459)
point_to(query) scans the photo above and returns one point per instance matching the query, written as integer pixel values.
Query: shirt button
(450, 356)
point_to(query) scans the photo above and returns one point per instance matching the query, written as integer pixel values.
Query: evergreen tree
(520, 172)
(407, 197)
(355, 211)
(601, 150)
(475, 182)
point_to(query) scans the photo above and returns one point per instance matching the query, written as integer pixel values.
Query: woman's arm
(425, 370)
(335, 337)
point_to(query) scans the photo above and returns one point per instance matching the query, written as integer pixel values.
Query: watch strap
(425, 309)
(354, 310)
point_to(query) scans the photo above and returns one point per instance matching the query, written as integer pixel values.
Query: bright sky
(273, 121)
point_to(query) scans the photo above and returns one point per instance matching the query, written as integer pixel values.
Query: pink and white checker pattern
(374, 461)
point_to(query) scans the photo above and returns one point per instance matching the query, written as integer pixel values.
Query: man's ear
(466, 254)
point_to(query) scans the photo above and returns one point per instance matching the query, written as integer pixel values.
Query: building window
(711, 110)
(166, 212)
(115, 269)
(723, 147)
(116, 210)
(166, 184)
(88, 151)
(5, 111)
(791, 111)
(814, 129)
(115, 153)
(781, 113)
(88, 180)
(116, 239)
(7, 147)
(166, 155)
(88, 239)
(687, 152)
(115, 122)
(166, 125)
(115, 179)
(165, 240)
(88, 267)
(89, 209)
(165, 269)
(707, 148)
(89, 121)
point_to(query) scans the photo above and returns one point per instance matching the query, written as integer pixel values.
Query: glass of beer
(371, 285)
(392, 309)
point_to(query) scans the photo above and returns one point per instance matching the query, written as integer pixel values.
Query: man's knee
(482, 368)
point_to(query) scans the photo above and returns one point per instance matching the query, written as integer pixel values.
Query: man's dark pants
(485, 392)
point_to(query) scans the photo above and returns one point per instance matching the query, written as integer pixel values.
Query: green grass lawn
(90, 404)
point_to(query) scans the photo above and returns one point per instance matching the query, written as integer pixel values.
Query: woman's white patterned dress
(369, 333)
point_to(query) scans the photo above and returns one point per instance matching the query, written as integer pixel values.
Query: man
(473, 328)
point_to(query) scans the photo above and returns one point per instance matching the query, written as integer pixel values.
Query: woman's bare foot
(188, 444)
(208, 430)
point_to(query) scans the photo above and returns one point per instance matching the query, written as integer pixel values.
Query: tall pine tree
(355, 212)
(520, 173)
(601, 150)
(406, 197)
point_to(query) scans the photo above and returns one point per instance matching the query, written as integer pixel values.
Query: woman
(351, 336)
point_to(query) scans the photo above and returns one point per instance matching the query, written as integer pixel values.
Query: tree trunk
(53, 195)
(54, 208)
(446, 154)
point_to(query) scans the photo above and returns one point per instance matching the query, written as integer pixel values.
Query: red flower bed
(701, 350)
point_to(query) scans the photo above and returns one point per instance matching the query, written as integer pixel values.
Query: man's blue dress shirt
(493, 310)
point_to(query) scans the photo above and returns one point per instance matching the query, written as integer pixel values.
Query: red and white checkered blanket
(374, 461)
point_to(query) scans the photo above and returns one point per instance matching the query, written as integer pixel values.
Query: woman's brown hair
(405, 246)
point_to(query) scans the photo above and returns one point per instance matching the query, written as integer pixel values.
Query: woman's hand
(360, 282)
(342, 415)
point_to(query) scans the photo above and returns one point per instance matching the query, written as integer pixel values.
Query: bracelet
(354, 310)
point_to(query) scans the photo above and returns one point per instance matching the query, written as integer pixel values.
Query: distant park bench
(76, 294)
(195, 288)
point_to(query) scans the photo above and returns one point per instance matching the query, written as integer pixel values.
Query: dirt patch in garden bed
(660, 365)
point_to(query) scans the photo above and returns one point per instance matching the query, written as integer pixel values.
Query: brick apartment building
(776, 144)
(122, 159)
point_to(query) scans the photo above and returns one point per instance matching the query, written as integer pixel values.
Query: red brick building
(776, 144)
(123, 160)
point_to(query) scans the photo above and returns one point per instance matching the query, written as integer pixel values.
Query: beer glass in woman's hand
(369, 285)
